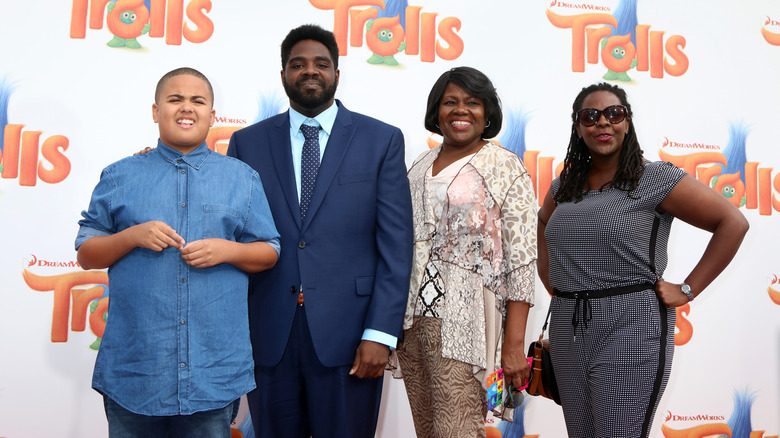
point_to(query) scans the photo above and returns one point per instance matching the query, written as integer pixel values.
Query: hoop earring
(488, 125)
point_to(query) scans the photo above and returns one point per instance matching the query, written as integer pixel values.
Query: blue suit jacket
(352, 254)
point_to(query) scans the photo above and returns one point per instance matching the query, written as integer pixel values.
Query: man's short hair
(310, 32)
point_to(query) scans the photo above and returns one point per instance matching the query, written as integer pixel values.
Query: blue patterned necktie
(310, 163)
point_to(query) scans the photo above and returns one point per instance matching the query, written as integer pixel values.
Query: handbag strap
(546, 319)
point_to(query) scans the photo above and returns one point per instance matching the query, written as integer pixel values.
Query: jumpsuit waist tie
(582, 301)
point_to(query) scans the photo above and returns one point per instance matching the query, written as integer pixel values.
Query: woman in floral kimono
(474, 264)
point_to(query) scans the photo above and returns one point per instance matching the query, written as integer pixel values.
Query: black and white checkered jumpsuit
(612, 357)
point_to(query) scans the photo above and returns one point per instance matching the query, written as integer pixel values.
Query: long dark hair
(574, 177)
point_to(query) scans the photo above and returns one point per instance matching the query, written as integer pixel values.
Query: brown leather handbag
(542, 381)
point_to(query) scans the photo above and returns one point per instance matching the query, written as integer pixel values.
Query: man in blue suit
(324, 320)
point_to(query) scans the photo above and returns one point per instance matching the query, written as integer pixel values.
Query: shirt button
(183, 280)
(183, 171)
(183, 204)
(182, 322)
(301, 244)
(183, 365)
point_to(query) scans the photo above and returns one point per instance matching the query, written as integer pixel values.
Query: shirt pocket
(220, 221)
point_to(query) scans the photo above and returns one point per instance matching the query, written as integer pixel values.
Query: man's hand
(144, 150)
(370, 360)
(204, 253)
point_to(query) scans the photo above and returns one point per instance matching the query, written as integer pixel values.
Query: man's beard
(313, 100)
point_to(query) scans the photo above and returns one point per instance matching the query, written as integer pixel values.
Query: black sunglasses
(613, 114)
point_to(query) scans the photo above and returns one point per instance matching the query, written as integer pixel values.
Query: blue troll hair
(394, 8)
(735, 150)
(7, 88)
(625, 14)
(514, 133)
(268, 104)
(739, 422)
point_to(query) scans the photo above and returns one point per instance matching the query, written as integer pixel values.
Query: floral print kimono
(480, 237)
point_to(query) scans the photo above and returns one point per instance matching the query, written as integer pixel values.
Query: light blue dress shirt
(177, 337)
(325, 119)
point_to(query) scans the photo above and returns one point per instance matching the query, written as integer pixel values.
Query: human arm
(103, 238)
(543, 262)
(251, 257)
(516, 369)
(698, 205)
(519, 235)
(394, 258)
(254, 247)
(100, 252)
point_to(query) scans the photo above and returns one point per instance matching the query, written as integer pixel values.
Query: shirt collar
(326, 119)
(193, 159)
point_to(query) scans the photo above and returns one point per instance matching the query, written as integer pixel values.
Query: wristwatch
(687, 291)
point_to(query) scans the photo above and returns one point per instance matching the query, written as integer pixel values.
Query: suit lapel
(338, 143)
(281, 151)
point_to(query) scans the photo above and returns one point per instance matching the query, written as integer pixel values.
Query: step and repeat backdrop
(77, 82)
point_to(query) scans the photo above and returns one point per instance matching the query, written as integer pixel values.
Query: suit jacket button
(301, 244)
(293, 289)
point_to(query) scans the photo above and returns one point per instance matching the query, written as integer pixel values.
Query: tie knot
(310, 132)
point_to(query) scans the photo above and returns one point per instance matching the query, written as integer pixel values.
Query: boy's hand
(156, 235)
(205, 253)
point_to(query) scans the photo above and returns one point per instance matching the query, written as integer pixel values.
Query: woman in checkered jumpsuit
(603, 231)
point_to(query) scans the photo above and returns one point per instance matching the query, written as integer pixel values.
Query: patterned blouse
(484, 240)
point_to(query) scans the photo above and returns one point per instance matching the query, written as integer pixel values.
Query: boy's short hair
(178, 72)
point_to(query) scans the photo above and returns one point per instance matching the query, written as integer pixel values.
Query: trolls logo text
(386, 36)
(86, 290)
(161, 18)
(758, 191)
(19, 156)
(618, 53)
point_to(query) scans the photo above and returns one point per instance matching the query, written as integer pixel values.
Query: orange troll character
(619, 56)
(732, 187)
(385, 38)
(127, 20)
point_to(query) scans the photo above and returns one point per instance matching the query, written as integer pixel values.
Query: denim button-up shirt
(177, 337)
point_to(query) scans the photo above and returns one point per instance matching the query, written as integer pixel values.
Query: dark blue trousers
(300, 397)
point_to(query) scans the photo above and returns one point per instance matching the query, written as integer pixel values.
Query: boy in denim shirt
(179, 229)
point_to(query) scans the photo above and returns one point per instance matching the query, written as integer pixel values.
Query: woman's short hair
(473, 82)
